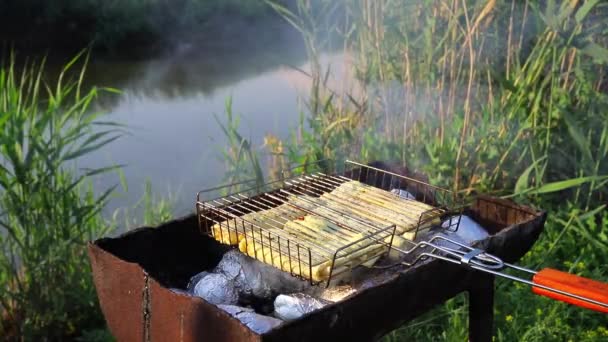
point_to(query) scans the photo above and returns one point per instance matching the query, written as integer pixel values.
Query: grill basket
(355, 242)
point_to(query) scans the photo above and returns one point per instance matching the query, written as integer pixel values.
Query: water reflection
(168, 105)
(189, 72)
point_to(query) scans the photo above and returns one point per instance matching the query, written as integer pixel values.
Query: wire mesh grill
(314, 225)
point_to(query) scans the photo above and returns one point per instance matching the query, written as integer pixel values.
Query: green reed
(498, 96)
(242, 160)
(48, 210)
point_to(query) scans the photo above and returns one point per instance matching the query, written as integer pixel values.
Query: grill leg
(481, 309)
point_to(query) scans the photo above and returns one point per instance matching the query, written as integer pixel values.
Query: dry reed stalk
(523, 27)
(490, 96)
(509, 38)
(467, 101)
(571, 59)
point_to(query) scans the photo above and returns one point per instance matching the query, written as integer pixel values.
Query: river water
(169, 104)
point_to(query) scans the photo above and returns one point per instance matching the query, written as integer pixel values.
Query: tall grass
(499, 96)
(151, 210)
(243, 167)
(488, 84)
(48, 210)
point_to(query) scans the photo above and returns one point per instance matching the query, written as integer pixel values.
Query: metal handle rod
(525, 281)
(480, 260)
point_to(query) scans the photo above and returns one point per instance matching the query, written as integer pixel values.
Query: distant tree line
(118, 25)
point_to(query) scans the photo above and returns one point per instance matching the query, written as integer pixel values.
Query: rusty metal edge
(95, 253)
(127, 324)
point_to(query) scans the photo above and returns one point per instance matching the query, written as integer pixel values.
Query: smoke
(435, 79)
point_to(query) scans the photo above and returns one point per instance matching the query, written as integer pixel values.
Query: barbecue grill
(336, 201)
(134, 273)
(271, 225)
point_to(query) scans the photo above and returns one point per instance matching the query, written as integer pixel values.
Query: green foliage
(574, 241)
(96, 335)
(48, 210)
(241, 158)
(151, 210)
(501, 97)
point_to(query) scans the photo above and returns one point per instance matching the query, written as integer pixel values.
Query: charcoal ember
(260, 324)
(253, 278)
(294, 306)
(216, 289)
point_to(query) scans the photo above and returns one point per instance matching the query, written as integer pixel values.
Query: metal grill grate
(314, 225)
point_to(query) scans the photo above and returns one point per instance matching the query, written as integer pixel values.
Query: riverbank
(169, 103)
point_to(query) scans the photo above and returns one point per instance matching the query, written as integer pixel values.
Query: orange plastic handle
(570, 283)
